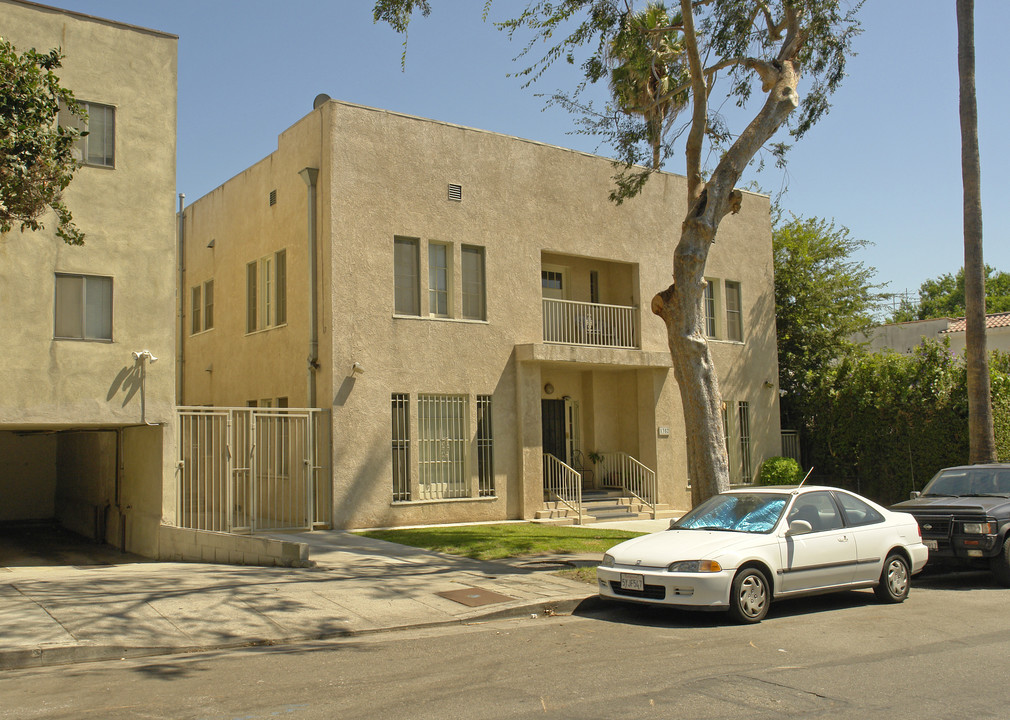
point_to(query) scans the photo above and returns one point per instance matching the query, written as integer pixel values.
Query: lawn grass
(511, 540)
(582, 574)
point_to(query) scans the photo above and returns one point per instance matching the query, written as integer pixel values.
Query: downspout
(181, 310)
(310, 175)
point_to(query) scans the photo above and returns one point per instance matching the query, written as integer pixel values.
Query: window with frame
(734, 316)
(552, 280)
(439, 294)
(443, 437)
(83, 307)
(97, 145)
(743, 410)
(818, 509)
(856, 511)
(472, 282)
(266, 292)
(400, 406)
(485, 447)
(709, 308)
(202, 307)
(406, 286)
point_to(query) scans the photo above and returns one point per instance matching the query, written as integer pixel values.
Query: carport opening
(60, 491)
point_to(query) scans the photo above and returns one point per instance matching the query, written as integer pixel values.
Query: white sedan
(740, 549)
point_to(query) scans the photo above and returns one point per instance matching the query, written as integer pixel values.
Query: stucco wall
(905, 337)
(127, 215)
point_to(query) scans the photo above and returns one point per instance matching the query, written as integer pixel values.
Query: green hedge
(884, 423)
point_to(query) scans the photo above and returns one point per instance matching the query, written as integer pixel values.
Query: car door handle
(843, 538)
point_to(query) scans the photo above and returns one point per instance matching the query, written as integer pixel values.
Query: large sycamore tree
(775, 46)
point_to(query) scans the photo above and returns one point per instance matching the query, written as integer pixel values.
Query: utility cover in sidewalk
(474, 597)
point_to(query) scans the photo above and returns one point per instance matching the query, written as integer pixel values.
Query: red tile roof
(996, 320)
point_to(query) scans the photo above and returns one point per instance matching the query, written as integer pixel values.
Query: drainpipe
(181, 310)
(310, 175)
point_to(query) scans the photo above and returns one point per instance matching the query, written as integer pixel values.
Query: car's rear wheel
(750, 596)
(1001, 565)
(895, 580)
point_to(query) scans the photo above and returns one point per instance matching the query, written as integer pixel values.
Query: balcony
(569, 322)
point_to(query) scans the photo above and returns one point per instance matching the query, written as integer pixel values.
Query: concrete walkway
(52, 615)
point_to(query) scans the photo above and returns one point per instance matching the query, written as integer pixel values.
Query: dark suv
(964, 517)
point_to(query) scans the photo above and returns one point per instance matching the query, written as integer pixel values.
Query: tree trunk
(682, 304)
(982, 443)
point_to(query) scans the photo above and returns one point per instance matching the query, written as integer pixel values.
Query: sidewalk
(66, 614)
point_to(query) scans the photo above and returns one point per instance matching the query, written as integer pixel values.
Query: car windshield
(739, 512)
(963, 482)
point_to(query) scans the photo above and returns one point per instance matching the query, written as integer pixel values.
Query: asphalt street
(941, 654)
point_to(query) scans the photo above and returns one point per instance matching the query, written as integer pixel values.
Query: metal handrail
(596, 324)
(564, 484)
(619, 469)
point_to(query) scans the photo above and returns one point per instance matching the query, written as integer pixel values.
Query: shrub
(780, 471)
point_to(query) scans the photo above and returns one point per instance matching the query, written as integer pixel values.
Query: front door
(552, 414)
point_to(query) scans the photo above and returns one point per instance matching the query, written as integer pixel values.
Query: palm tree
(982, 444)
(646, 67)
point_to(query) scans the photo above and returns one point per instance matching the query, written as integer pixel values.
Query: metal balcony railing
(580, 323)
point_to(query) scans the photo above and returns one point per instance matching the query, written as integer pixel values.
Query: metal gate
(245, 470)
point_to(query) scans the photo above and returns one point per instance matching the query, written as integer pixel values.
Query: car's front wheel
(895, 580)
(750, 596)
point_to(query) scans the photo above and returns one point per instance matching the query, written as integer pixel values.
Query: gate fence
(245, 470)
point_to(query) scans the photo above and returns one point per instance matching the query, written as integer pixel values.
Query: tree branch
(699, 118)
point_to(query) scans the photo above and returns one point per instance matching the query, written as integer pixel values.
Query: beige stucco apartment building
(86, 426)
(475, 302)
(906, 336)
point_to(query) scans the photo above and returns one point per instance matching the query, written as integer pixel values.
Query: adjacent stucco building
(904, 337)
(86, 427)
(458, 303)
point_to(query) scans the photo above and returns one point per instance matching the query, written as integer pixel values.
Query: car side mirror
(799, 527)
(914, 494)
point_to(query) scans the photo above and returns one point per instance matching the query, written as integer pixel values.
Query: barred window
(745, 459)
(442, 446)
(401, 447)
(485, 447)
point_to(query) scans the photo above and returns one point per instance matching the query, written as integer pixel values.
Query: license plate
(632, 582)
(931, 544)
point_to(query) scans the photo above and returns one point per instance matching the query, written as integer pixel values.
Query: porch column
(529, 433)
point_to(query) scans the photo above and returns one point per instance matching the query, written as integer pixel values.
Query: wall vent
(456, 193)
(273, 197)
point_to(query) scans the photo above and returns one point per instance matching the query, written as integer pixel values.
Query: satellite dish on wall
(321, 99)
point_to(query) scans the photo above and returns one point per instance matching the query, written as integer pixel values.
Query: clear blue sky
(885, 163)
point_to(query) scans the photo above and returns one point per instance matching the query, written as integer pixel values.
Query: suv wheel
(1001, 565)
